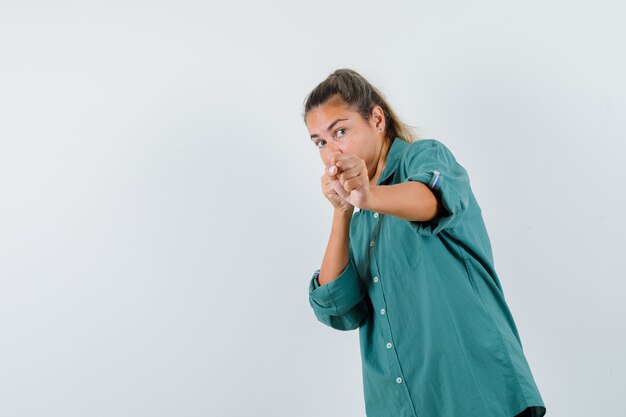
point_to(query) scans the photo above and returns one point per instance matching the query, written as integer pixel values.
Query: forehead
(320, 116)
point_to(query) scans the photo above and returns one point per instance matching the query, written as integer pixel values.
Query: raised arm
(412, 201)
(336, 292)
(337, 253)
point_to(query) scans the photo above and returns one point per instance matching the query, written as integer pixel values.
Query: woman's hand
(329, 188)
(349, 181)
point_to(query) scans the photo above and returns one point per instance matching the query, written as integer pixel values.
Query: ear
(378, 118)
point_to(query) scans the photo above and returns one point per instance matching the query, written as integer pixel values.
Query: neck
(381, 161)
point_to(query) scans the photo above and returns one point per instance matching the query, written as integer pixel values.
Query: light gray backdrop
(161, 212)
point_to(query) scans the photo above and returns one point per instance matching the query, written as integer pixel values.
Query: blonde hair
(358, 94)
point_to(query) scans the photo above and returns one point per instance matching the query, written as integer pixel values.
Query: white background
(161, 211)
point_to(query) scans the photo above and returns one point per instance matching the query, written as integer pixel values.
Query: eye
(317, 143)
(339, 130)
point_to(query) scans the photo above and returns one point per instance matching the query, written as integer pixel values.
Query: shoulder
(427, 143)
(427, 148)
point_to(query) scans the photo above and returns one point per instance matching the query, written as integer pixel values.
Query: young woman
(412, 268)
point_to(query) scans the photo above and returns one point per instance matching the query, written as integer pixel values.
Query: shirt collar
(398, 146)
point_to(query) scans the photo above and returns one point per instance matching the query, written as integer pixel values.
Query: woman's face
(334, 128)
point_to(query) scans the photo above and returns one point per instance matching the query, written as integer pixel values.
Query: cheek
(354, 150)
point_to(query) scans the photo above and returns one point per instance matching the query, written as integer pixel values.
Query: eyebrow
(315, 135)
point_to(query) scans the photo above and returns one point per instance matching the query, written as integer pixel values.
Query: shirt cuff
(336, 297)
(453, 204)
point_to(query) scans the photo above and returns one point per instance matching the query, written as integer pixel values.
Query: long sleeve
(341, 303)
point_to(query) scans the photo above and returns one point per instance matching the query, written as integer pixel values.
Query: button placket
(378, 298)
(376, 279)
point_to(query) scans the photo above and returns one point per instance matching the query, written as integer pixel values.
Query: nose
(332, 147)
(329, 151)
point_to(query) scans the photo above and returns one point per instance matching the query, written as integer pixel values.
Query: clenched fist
(345, 182)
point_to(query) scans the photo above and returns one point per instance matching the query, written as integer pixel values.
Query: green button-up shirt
(437, 338)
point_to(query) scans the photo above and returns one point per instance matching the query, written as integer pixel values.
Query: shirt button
(389, 345)
(371, 243)
(375, 279)
(399, 380)
(375, 215)
(382, 311)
